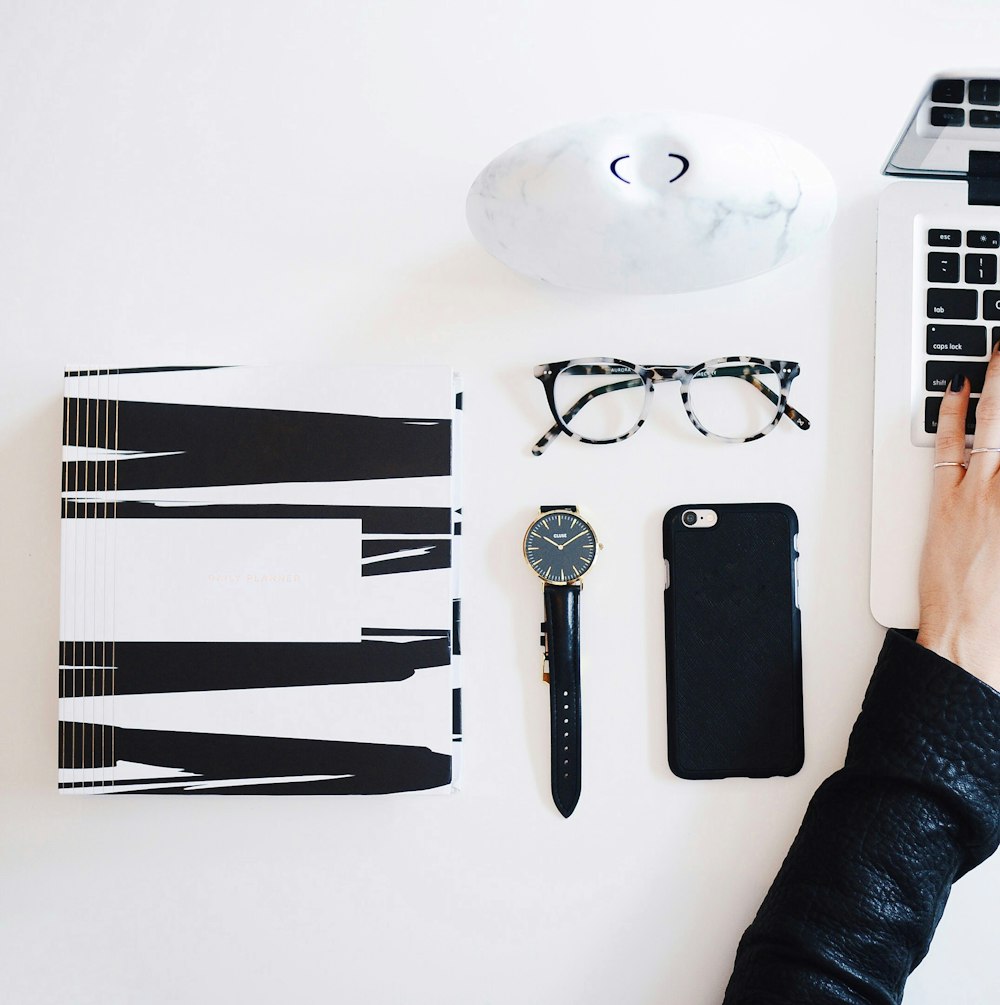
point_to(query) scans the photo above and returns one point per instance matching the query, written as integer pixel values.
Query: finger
(949, 445)
(984, 462)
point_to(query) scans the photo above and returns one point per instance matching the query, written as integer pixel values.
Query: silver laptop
(937, 309)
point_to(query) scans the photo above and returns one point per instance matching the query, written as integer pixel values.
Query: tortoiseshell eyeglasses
(734, 398)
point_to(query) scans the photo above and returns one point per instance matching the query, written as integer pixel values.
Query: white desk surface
(261, 181)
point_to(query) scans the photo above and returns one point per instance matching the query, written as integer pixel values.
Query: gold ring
(984, 450)
(949, 464)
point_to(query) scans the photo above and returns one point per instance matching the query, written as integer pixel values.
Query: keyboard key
(957, 340)
(981, 269)
(941, 116)
(960, 304)
(982, 118)
(984, 92)
(944, 267)
(940, 372)
(943, 238)
(948, 92)
(982, 238)
(991, 305)
(932, 406)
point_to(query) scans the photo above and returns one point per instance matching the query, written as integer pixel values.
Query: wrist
(956, 647)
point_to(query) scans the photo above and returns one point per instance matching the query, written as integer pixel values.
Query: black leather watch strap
(562, 631)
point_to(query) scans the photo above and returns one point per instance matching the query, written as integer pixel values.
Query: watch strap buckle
(543, 641)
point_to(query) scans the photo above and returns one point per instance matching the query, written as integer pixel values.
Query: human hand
(960, 566)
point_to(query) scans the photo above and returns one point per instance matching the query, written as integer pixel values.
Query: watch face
(560, 547)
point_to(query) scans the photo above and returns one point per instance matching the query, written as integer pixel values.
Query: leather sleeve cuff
(855, 904)
(926, 720)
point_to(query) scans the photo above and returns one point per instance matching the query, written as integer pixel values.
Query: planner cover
(258, 580)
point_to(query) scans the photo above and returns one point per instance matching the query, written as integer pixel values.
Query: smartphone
(733, 640)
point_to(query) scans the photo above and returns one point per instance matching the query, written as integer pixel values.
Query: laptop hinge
(984, 178)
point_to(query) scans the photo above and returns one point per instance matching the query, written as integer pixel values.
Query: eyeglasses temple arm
(796, 416)
(550, 434)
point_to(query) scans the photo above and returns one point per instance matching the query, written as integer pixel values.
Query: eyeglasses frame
(652, 375)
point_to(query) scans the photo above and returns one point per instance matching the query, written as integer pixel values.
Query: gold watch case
(546, 542)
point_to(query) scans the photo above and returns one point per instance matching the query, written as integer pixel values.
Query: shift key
(962, 304)
(956, 340)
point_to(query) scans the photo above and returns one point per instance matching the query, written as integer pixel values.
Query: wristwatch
(560, 546)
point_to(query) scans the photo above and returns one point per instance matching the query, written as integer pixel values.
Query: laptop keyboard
(963, 313)
(965, 104)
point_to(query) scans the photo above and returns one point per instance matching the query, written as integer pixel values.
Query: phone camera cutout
(699, 519)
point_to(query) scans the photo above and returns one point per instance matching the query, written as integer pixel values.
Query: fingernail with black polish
(958, 382)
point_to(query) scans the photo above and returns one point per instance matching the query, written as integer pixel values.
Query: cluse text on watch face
(560, 547)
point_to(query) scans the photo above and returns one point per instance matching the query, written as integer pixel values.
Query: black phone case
(733, 643)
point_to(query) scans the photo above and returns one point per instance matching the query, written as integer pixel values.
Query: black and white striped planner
(259, 580)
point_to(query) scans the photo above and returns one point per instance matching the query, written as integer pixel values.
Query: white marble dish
(653, 203)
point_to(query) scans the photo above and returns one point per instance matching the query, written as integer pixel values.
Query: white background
(258, 182)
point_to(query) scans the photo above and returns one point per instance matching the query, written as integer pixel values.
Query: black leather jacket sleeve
(915, 807)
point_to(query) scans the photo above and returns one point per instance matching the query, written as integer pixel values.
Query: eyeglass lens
(735, 400)
(598, 401)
